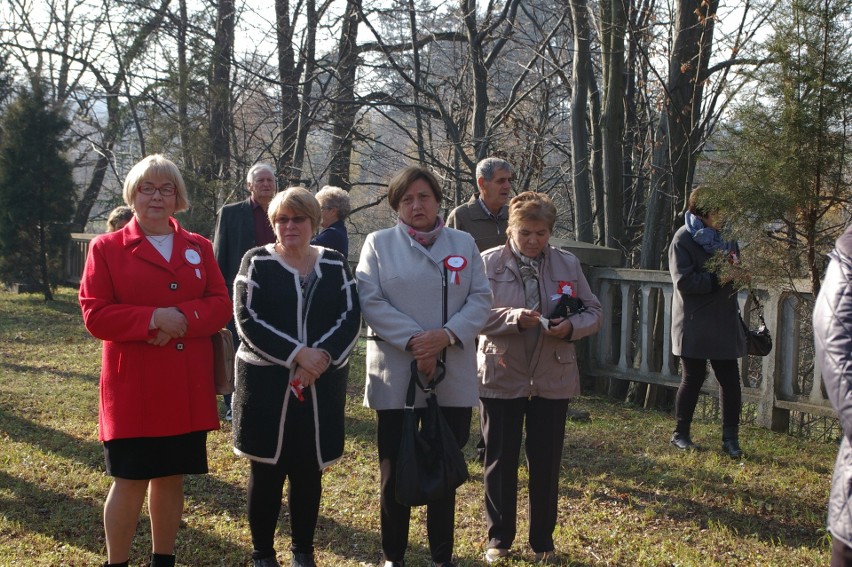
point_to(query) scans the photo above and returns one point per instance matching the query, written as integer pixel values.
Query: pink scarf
(426, 239)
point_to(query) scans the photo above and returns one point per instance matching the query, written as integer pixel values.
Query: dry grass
(626, 497)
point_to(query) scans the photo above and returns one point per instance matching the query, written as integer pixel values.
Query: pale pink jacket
(503, 370)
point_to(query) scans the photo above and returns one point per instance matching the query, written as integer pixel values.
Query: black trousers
(841, 554)
(395, 517)
(503, 422)
(298, 463)
(693, 374)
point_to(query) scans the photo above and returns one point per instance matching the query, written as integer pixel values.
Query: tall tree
(676, 142)
(36, 192)
(782, 169)
(220, 92)
(613, 27)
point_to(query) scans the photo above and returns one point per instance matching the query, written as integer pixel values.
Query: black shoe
(444, 564)
(160, 560)
(731, 447)
(303, 560)
(393, 564)
(683, 442)
(265, 562)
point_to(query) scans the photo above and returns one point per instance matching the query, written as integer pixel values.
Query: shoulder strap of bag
(758, 306)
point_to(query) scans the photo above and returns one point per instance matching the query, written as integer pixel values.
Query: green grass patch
(626, 496)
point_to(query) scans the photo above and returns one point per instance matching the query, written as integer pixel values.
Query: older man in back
(486, 215)
(242, 226)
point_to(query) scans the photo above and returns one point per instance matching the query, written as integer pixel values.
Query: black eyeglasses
(166, 190)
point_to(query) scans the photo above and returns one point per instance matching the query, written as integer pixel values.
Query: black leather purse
(758, 341)
(430, 464)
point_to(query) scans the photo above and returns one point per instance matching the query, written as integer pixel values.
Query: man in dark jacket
(240, 227)
(832, 322)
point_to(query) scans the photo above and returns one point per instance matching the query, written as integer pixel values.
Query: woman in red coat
(154, 294)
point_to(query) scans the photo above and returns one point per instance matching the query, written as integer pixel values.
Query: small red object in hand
(296, 387)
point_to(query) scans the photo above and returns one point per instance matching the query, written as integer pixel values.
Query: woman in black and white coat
(298, 317)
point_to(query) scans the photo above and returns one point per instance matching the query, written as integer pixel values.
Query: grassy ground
(626, 497)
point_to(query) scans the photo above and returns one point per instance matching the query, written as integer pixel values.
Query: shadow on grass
(86, 453)
(53, 371)
(783, 518)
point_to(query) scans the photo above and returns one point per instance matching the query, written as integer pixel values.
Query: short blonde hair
(155, 165)
(299, 200)
(530, 206)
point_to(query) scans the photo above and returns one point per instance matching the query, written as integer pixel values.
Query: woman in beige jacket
(528, 370)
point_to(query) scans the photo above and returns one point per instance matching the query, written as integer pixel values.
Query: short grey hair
(487, 168)
(337, 198)
(257, 167)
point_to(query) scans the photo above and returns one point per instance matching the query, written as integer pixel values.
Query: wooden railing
(635, 339)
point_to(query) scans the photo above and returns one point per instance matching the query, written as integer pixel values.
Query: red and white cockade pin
(566, 288)
(455, 264)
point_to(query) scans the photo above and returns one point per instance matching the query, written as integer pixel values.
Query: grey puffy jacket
(833, 343)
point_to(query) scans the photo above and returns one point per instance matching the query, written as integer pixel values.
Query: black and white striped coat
(274, 322)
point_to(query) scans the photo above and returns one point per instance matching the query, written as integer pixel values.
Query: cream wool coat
(400, 289)
(503, 368)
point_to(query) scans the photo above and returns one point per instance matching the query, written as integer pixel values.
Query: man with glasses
(240, 227)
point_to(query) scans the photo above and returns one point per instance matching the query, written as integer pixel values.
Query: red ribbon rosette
(565, 288)
(454, 265)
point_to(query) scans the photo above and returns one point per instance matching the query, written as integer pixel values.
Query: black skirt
(142, 458)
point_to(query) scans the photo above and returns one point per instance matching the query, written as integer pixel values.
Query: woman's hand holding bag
(430, 464)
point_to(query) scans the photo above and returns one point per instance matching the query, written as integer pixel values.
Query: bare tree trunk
(595, 159)
(345, 108)
(679, 132)
(288, 77)
(613, 22)
(296, 174)
(583, 222)
(418, 113)
(220, 92)
(183, 86)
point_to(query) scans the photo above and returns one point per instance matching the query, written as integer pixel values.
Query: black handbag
(758, 341)
(430, 464)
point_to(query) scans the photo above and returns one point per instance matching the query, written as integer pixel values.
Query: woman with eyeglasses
(297, 315)
(334, 208)
(153, 293)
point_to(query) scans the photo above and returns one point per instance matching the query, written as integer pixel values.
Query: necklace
(160, 241)
(302, 265)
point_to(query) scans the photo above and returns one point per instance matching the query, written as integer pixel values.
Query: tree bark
(613, 22)
(679, 131)
(345, 109)
(583, 221)
(288, 77)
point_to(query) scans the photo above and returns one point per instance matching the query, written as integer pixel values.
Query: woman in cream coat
(400, 278)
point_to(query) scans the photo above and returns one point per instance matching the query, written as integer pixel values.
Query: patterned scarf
(529, 274)
(428, 238)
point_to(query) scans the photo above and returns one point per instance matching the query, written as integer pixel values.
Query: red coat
(146, 390)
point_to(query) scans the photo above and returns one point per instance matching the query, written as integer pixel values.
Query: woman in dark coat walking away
(705, 322)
